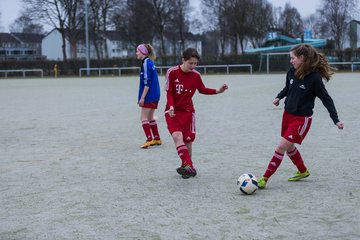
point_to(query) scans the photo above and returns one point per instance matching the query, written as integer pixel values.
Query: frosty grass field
(71, 166)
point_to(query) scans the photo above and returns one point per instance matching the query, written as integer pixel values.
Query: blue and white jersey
(149, 77)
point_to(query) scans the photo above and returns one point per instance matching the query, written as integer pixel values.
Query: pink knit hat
(143, 49)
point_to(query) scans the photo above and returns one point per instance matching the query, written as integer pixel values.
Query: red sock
(154, 129)
(147, 130)
(184, 155)
(273, 164)
(296, 158)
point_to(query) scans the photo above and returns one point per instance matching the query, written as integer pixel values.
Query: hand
(276, 102)
(340, 125)
(222, 88)
(141, 102)
(171, 111)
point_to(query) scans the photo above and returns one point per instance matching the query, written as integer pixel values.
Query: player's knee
(177, 136)
(280, 149)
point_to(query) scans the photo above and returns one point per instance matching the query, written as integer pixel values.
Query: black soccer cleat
(186, 172)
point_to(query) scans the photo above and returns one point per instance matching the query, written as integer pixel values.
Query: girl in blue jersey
(149, 94)
(304, 82)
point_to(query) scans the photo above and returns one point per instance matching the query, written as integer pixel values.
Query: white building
(52, 45)
(116, 47)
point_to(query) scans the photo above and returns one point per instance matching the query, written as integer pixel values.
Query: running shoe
(156, 142)
(298, 175)
(146, 144)
(186, 172)
(262, 183)
(180, 170)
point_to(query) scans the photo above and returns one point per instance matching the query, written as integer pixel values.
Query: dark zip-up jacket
(301, 93)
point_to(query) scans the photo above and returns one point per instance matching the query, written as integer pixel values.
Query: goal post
(279, 61)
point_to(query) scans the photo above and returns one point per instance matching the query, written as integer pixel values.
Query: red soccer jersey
(181, 87)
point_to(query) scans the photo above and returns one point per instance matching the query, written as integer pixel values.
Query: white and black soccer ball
(247, 183)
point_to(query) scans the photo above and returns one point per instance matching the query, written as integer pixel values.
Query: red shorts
(152, 105)
(182, 122)
(294, 128)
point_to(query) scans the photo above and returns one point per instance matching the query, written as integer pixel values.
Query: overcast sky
(10, 9)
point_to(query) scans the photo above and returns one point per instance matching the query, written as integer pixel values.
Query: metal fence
(23, 71)
(162, 69)
(205, 69)
(271, 62)
(352, 64)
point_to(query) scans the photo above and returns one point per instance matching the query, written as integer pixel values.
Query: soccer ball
(247, 183)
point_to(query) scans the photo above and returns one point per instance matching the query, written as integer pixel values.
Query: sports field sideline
(71, 166)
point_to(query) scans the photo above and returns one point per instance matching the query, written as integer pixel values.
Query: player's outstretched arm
(222, 88)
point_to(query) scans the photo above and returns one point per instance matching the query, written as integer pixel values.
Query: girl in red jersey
(181, 83)
(304, 82)
(149, 94)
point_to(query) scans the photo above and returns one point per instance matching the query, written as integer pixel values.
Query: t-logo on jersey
(179, 88)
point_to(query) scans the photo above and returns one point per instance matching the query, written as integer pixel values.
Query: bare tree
(312, 23)
(237, 14)
(233, 21)
(24, 24)
(134, 21)
(336, 15)
(73, 23)
(180, 21)
(292, 24)
(227, 18)
(163, 12)
(142, 20)
(259, 26)
(277, 17)
(62, 15)
(100, 13)
(244, 22)
(96, 24)
(214, 12)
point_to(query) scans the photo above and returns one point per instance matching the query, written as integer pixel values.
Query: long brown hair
(312, 61)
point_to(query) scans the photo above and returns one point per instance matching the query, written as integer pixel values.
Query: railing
(23, 71)
(268, 61)
(346, 63)
(100, 70)
(227, 67)
(161, 69)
